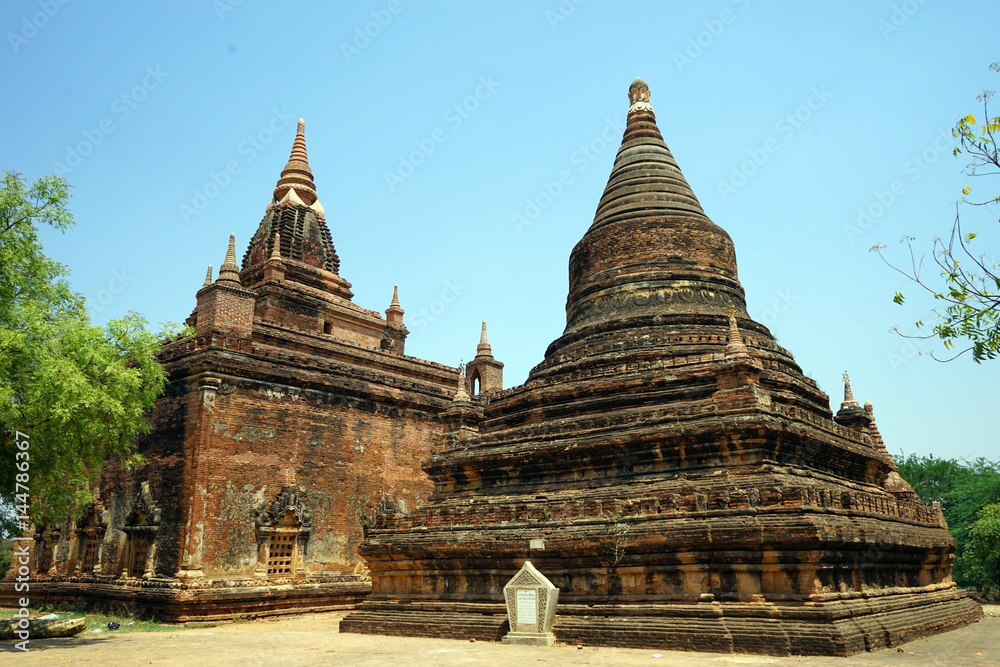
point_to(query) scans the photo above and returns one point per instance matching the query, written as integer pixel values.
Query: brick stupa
(690, 487)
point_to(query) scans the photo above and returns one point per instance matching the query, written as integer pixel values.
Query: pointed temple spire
(736, 346)
(849, 401)
(208, 277)
(229, 272)
(484, 348)
(651, 248)
(461, 396)
(297, 177)
(394, 314)
(294, 210)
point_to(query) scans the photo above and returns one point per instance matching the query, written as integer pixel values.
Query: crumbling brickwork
(289, 419)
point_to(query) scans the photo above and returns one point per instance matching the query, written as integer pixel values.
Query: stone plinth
(531, 608)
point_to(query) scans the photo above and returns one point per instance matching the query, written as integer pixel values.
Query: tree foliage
(79, 392)
(970, 292)
(969, 494)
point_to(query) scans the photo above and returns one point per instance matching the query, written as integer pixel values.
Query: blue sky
(460, 150)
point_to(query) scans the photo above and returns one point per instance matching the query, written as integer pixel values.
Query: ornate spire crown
(638, 96)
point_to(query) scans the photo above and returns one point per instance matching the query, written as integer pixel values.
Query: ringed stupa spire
(650, 248)
(297, 176)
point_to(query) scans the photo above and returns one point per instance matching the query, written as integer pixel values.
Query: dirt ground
(315, 639)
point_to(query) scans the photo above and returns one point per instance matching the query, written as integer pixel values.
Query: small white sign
(536, 544)
(527, 606)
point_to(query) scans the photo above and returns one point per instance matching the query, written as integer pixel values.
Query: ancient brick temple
(667, 466)
(286, 422)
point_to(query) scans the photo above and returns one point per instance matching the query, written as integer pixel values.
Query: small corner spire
(208, 277)
(462, 395)
(484, 348)
(735, 346)
(276, 248)
(849, 401)
(394, 314)
(229, 272)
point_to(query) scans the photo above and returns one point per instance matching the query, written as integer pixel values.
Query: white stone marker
(531, 607)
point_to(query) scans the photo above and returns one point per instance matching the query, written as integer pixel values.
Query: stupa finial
(638, 96)
(208, 277)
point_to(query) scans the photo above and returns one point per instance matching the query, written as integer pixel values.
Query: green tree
(970, 293)
(964, 491)
(79, 392)
(984, 546)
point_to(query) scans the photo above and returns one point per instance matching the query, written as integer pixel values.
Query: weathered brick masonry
(287, 421)
(689, 486)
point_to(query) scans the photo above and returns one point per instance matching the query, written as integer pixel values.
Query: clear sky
(460, 150)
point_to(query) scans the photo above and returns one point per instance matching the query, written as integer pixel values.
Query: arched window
(477, 383)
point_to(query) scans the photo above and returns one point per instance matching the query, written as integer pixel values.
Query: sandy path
(314, 639)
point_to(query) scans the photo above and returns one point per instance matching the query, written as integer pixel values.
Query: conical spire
(229, 272)
(849, 401)
(296, 176)
(484, 349)
(645, 178)
(650, 250)
(736, 346)
(276, 249)
(208, 277)
(394, 314)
